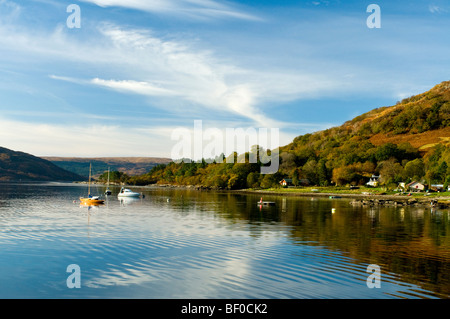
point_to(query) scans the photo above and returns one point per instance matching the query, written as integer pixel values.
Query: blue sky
(137, 70)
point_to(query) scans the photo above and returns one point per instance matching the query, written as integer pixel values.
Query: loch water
(179, 243)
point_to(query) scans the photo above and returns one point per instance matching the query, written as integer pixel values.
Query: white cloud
(154, 67)
(42, 139)
(196, 9)
(10, 10)
(143, 88)
(177, 72)
(436, 9)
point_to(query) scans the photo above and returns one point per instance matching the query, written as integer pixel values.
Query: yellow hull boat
(91, 200)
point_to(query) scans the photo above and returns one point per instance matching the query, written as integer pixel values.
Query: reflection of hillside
(411, 242)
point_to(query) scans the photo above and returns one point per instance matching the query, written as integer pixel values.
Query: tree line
(351, 163)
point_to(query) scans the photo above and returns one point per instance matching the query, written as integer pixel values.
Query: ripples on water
(186, 244)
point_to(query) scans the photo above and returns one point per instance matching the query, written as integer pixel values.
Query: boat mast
(89, 183)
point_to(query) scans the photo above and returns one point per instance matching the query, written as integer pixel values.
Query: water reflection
(185, 243)
(413, 243)
(125, 201)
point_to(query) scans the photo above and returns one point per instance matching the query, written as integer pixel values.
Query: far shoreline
(359, 196)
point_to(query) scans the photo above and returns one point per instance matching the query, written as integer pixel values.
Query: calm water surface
(190, 244)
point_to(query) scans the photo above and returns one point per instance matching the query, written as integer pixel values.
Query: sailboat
(108, 192)
(91, 200)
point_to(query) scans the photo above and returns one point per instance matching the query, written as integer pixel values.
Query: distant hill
(129, 165)
(19, 166)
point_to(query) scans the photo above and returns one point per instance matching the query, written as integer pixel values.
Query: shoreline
(367, 199)
(358, 198)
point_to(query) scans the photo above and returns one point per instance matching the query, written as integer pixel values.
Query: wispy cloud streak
(160, 68)
(194, 9)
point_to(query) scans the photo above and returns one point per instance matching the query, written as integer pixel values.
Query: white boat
(125, 192)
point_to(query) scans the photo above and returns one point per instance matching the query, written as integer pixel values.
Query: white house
(416, 186)
(373, 182)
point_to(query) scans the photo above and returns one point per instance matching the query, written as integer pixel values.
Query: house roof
(413, 183)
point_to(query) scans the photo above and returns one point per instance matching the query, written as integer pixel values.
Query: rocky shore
(358, 199)
(412, 202)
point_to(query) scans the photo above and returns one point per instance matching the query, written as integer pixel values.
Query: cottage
(373, 182)
(416, 186)
(286, 182)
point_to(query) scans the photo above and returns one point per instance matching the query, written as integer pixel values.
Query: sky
(134, 72)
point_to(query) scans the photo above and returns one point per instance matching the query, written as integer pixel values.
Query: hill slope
(422, 120)
(382, 141)
(128, 165)
(15, 166)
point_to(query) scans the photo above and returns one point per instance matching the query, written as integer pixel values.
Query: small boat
(264, 203)
(335, 197)
(125, 192)
(91, 200)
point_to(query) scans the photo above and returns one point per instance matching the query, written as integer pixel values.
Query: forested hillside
(405, 142)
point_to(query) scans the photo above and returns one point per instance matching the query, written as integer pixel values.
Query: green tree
(322, 173)
(296, 177)
(390, 171)
(343, 175)
(253, 180)
(414, 170)
(441, 173)
(386, 151)
(287, 163)
(268, 181)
